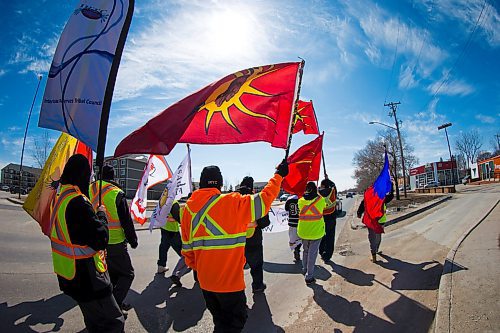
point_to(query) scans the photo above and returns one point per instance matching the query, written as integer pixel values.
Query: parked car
(349, 195)
(431, 184)
(284, 197)
(5, 188)
(15, 189)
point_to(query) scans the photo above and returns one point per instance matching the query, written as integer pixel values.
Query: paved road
(351, 294)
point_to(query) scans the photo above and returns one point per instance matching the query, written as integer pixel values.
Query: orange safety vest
(213, 230)
(331, 202)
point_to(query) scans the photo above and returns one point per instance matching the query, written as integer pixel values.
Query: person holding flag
(328, 190)
(121, 232)
(79, 237)
(373, 208)
(214, 228)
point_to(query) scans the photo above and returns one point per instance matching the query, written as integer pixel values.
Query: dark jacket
(292, 207)
(263, 222)
(125, 218)
(90, 229)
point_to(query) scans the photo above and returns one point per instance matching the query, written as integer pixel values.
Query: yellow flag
(40, 199)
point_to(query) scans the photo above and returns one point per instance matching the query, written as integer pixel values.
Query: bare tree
(495, 144)
(469, 144)
(370, 160)
(40, 151)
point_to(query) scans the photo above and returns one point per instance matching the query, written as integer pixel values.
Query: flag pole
(108, 95)
(322, 152)
(296, 106)
(189, 170)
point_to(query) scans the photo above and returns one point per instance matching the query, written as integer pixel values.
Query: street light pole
(25, 133)
(393, 107)
(449, 150)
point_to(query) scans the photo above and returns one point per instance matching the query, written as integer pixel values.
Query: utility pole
(394, 107)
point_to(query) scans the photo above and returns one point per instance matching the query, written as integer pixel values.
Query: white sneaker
(162, 269)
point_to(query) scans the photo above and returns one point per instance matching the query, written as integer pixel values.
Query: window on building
(115, 163)
(122, 172)
(122, 162)
(122, 184)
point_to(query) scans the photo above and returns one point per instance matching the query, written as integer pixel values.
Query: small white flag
(155, 172)
(178, 186)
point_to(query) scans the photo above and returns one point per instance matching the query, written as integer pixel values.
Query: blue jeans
(311, 248)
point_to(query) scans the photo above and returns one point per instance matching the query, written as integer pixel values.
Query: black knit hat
(311, 187)
(211, 177)
(327, 183)
(247, 182)
(108, 172)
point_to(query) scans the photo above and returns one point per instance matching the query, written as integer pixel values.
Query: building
(128, 174)
(445, 173)
(489, 168)
(10, 176)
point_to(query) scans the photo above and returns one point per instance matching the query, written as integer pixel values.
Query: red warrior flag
(306, 119)
(251, 105)
(304, 167)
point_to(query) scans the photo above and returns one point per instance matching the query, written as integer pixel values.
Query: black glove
(282, 169)
(133, 244)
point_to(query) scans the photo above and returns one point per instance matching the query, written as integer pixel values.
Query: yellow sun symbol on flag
(229, 94)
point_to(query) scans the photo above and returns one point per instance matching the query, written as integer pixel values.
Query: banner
(279, 220)
(83, 71)
(155, 172)
(40, 199)
(180, 185)
(251, 105)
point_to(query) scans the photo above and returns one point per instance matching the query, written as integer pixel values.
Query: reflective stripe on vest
(251, 229)
(64, 253)
(316, 214)
(218, 238)
(330, 204)
(109, 192)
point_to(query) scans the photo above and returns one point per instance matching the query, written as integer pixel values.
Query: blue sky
(359, 54)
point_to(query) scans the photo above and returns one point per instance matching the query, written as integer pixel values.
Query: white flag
(155, 172)
(179, 186)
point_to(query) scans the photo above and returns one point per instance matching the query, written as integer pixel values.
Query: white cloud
(2, 72)
(14, 128)
(466, 13)
(450, 87)
(485, 119)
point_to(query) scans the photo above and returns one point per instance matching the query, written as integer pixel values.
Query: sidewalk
(469, 291)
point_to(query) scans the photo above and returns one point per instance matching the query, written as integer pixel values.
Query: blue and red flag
(374, 199)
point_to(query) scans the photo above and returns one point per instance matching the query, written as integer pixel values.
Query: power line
(462, 52)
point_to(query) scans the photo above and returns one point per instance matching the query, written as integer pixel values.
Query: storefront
(489, 168)
(442, 173)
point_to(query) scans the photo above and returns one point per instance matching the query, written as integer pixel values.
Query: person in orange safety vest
(213, 231)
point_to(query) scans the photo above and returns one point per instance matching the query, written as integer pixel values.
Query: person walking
(375, 234)
(328, 190)
(213, 229)
(121, 232)
(294, 241)
(254, 252)
(79, 237)
(311, 228)
(170, 237)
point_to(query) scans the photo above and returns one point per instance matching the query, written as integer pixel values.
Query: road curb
(443, 309)
(402, 217)
(15, 201)
(416, 212)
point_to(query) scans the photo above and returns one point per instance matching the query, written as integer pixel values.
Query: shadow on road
(410, 276)
(21, 317)
(160, 307)
(352, 314)
(451, 267)
(351, 275)
(320, 272)
(260, 318)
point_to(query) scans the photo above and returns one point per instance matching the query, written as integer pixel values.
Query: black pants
(375, 240)
(255, 259)
(229, 310)
(120, 270)
(328, 241)
(168, 239)
(102, 315)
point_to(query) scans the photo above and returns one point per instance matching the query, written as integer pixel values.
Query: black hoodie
(85, 227)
